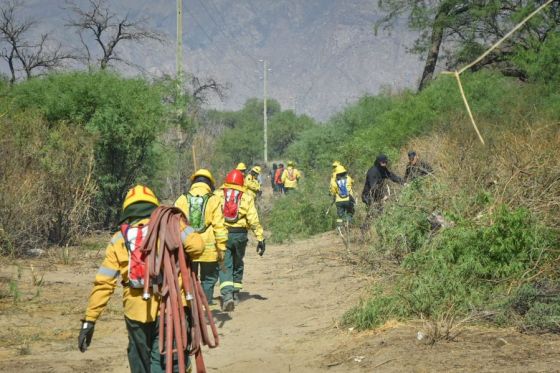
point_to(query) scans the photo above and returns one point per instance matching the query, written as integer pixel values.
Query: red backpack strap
(124, 231)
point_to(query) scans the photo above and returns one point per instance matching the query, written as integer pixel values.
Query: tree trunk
(433, 53)
(12, 69)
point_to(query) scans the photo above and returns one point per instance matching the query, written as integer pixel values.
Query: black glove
(260, 248)
(86, 333)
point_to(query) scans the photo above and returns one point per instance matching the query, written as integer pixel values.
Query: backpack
(291, 175)
(197, 212)
(133, 239)
(342, 186)
(232, 201)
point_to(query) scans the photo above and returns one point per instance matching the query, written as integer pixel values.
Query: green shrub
(299, 214)
(124, 115)
(375, 310)
(464, 268)
(404, 227)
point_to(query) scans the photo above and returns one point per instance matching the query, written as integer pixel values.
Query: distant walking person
(290, 178)
(374, 193)
(203, 210)
(278, 178)
(240, 215)
(341, 190)
(241, 167)
(335, 164)
(416, 167)
(271, 175)
(252, 182)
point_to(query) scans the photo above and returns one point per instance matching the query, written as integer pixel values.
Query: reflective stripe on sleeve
(116, 238)
(108, 272)
(238, 285)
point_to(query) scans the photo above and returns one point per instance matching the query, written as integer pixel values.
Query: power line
(239, 49)
(215, 7)
(213, 46)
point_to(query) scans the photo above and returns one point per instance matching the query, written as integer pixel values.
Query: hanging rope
(458, 73)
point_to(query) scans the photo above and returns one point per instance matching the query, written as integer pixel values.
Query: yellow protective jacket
(335, 191)
(248, 216)
(252, 185)
(215, 236)
(115, 263)
(290, 177)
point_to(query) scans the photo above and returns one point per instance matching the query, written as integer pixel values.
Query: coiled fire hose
(165, 263)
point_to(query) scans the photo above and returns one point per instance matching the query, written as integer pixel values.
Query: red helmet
(235, 177)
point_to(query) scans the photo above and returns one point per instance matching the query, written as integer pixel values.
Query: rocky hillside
(322, 53)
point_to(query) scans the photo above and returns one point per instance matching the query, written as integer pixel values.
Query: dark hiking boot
(236, 299)
(228, 305)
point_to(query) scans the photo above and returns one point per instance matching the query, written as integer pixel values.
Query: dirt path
(286, 322)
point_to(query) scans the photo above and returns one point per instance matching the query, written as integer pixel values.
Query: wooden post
(194, 158)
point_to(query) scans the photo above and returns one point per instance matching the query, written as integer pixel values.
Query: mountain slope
(322, 53)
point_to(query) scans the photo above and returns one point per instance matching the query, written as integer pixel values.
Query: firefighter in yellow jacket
(240, 214)
(241, 167)
(204, 213)
(341, 190)
(252, 183)
(290, 178)
(123, 258)
(335, 164)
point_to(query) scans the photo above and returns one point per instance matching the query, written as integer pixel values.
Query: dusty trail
(286, 320)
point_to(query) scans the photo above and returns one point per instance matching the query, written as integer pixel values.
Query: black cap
(382, 158)
(411, 154)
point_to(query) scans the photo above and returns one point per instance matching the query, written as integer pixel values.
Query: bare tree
(202, 88)
(21, 53)
(108, 30)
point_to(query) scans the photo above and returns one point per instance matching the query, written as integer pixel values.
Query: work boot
(228, 305)
(236, 299)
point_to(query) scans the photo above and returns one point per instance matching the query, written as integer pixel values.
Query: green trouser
(289, 190)
(143, 348)
(208, 276)
(232, 279)
(344, 211)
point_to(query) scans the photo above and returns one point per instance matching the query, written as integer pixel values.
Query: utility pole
(179, 51)
(265, 114)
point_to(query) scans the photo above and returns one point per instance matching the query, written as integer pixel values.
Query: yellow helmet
(335, 164)
(291, 163)
(340, 169)
(241, 166)
(204, 173)
(257, 169)
(140, 193)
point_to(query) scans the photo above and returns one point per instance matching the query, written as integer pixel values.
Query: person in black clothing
(373, 192)
(416, 167)
(272, 174)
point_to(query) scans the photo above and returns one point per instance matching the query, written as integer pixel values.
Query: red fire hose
(166, 260)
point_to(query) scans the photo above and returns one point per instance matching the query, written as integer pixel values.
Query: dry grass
(46, 178)
(519, 167)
